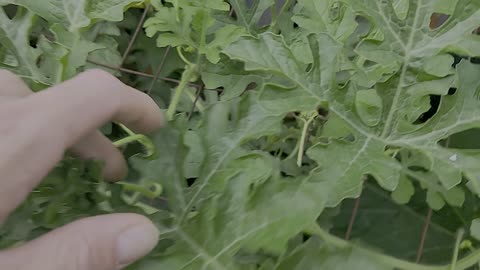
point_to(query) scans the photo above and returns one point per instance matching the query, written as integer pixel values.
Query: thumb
(107, 242)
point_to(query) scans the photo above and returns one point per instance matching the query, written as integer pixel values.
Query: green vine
(189, 73)
(307, 119)
(133, 138)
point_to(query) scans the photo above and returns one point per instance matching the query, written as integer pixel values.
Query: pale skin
(35, 132)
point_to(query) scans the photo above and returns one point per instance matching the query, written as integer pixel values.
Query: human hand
(35, 131)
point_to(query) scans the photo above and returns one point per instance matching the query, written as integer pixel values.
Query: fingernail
(136, 242)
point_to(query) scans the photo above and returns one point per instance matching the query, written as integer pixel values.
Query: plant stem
(126, 129)
(303, 139)
(294, 151)
(274, 12)
(186, 77)
(182, 56)
(284, 8)
(129, 139)
(395, 263)
(195, 100)
(457, 249)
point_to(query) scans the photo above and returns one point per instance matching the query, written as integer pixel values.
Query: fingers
(12, 86)
(108, 242)
(98, 147)
(89, 100)
(55, 120)
(93, 146)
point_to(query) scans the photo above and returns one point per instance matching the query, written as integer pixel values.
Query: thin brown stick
(143, 74)
(197, 97)
(135, 35)
(159, 70)
(426, 225)
(353, 217)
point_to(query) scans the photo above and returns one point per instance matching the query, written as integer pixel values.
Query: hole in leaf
(369, 63)
(33, 42)
(452, 91)
(251, 187)
(342, 78)
(191, 181)
(364, 26)
(475, 60)
(249, 3)
(350, 138)
(10, 10)
(295, 25)
(457, 59)
(467, 139)
(417, 168)
(90, 198)
(291, 119)
(305, 237)
(164, 244)
(309, 67)
(251, 86)
(435, 104)
(323, 112)
(437, 20)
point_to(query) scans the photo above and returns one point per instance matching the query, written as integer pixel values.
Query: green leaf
(109, 10)
(296, 87)
(344, 163)
(455, 196)
(435, 200)
(61, 56)
(475, 229)
(401, 8)
(249, 16)
(299, 106)
(192, 25)
(234, 187)
(73, 190)
(440, 65)
(14, 37)
(381, 221)
(269, 53)
(329, 16)
(164, 169)
(70, 13)
(404, 191)
(223, 37)
(315, 254)
(76, 14)
(445, 6)
(51, 61)
(369, 106)
(195, 156)
(108, 54)
(78, 49)
(228, 77)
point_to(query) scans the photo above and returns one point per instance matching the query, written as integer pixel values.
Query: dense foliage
(283, 114)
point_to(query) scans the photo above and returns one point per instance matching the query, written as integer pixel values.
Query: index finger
(76, 107)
